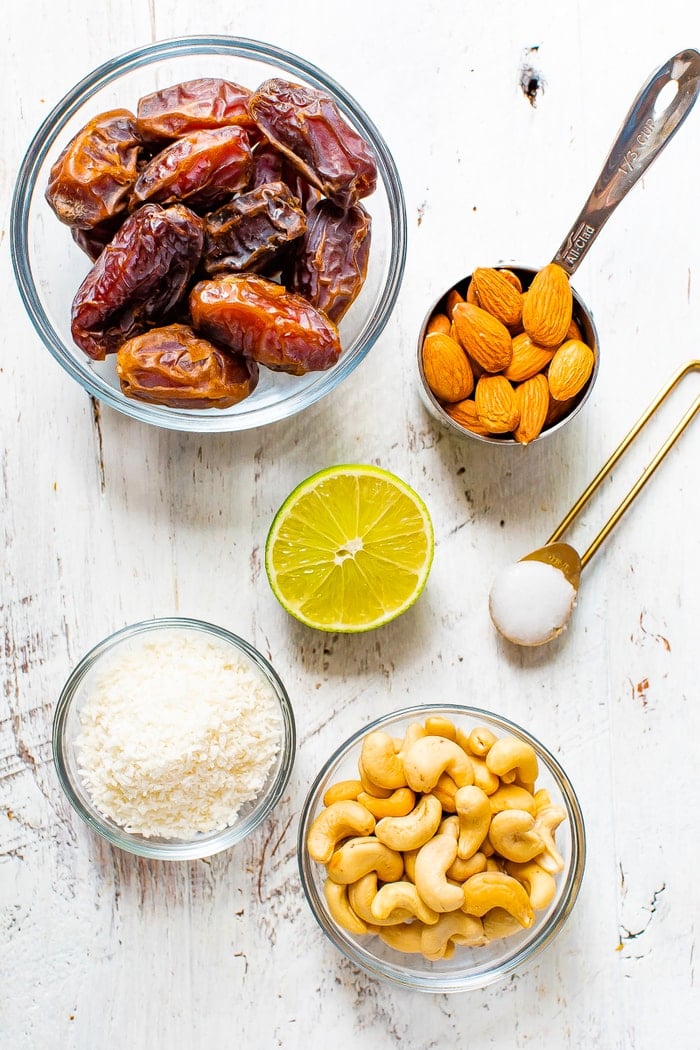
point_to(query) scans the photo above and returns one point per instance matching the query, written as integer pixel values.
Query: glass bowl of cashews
(441, 847)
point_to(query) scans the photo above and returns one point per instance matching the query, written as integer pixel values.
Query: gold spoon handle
(683, 371)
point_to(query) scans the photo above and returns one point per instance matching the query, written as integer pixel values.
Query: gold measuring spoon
(531, 601)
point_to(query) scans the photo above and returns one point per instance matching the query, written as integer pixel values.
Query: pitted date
(329, 263)
(193, 105)
(139, 278)
(93, 178)
(173, 366)
(201, 168)
(260, 319)
(247, 233)
(269, 165)
(307, 127)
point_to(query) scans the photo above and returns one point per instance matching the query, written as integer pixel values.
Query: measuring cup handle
(656, 114)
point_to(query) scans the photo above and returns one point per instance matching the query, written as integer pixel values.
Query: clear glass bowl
(49, 267)
(66, 726)
(469, 968)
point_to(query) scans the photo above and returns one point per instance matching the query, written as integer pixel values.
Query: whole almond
(484, 337)
(558, 409)
(464, 413)
(513, 278)
(528, 359)
(446, 368)
(547, 306)
(532, 399)
(570, 369)
(496, 405)
(453, 297)
(574, 332)
(472, 295)
(497, 295)
(439, 323)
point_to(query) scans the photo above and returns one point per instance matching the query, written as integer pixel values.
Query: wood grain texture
(106, 521)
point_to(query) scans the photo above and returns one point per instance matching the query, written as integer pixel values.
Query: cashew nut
(483, 777)
(474, 812)
(513, 834)
(380, 761)
(461, 870)
(436, 725)
(360, 897)
(405, 937)
(337, 822)
(409, 864)
(542, 799)
(450, 826)
(432, 862)
(500, 923)
(361, 855)
(455, 928)
(546, 822)
(414, 732)
(540, 884)
(337, 900)
(369, 786)
(398, 804)
(343, 790)
(431, 756)
(411, 831)
(510, 758)
(512, 796)
(445, 790)
(401, 897)
(481, 740)
(495, 889)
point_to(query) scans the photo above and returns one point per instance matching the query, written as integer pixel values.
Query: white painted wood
(106, 525)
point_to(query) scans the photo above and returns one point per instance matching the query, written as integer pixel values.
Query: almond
(528, 359)
(574, 332)
(513, 278)
(570, 369)
(547, 306)
(558, 409)
(453, 297)
(446, 368)
(464, 413)
(472, 296)
(532, 399)
(496, 405)
(484, 337)
(439, 323)
(497, 295)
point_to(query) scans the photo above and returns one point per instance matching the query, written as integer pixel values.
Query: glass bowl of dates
(508, 355)
(208, 233)
(441, 848)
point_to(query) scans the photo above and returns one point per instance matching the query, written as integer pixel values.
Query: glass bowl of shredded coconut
(173, 738)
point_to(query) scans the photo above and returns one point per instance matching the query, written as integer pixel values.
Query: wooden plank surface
(107, 521)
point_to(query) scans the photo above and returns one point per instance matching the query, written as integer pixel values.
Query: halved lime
(349, 549)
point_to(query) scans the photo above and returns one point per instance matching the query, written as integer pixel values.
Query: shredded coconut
(177, 734)
(531, 602)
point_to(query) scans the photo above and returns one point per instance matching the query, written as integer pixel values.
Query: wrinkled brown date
(139, 278)
(269, 165)
(201, 168)
(260, 319)
(173, 366)
(308, 128)
(245, 234)
(192, 105)
(329, 263)
(92, 180)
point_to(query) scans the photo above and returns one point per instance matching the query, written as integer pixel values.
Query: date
(260, 319)
(329, 264)
(193, 105)
(247, 233)
(203, 168)
(139, 279)
(93, 178)
(173, 366)
(308, 128)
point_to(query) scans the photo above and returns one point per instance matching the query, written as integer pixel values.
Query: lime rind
(380, 580)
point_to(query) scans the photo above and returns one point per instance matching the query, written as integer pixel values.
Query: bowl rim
(439, 412)
(450, 982)
(44, 139)
(210, 843)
